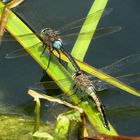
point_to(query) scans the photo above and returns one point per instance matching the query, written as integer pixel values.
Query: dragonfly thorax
(82, 81)
(51, 38)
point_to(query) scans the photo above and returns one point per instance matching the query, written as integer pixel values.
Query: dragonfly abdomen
(99, 106)
(83, 83)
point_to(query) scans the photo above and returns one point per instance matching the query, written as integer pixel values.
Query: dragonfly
(89, 84)
(57, 39)
(84, 84)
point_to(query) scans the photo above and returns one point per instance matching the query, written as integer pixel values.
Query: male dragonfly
(56, 39)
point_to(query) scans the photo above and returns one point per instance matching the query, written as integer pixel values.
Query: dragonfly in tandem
(52, 40)
(90, 85)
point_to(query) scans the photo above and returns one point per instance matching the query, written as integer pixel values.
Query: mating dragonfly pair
(52, 40)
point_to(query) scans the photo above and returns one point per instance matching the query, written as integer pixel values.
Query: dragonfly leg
(74, 86)
(76, 90)
(59, 55)
(51, 52)
(43, 50)
(49, 62)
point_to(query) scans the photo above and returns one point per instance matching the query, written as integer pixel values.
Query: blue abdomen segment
(57, 44)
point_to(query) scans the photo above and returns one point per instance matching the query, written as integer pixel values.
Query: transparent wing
(77, 23)
(49, 84)
(121, 64)
(68, 26)
(99, 84)
(9, 37)
(128, 79)
(103, 31)
(100, 32)
(115, 67)
(67, 38)
(20, 52)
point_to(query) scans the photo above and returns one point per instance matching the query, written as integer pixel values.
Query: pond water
(123, 110)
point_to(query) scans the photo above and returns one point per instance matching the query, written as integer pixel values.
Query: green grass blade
(80, 48)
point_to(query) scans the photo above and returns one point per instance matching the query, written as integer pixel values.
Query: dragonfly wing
(121, 64)
(45, 85)
(107, 11)
(52, 84)
(104, 31)
(16, 54)
(20, 52)
(100, 32)
(128, 79)
(7, 37)
(77, 23)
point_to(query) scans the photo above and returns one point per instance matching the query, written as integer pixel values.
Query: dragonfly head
(77, 74)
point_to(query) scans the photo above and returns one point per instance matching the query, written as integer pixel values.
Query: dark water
(17, 75)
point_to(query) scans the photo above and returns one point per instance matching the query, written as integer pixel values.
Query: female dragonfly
(83, 83)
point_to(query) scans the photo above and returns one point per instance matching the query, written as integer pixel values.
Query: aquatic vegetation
(53, 40)
(60, 72)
